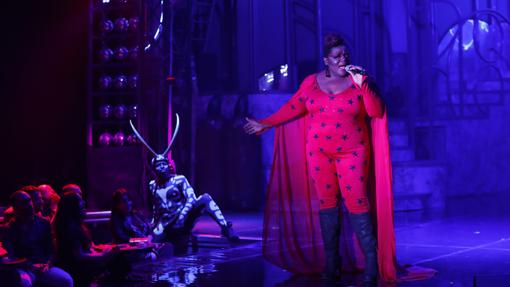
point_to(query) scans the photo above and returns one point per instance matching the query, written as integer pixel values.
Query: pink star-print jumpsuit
(338, 144)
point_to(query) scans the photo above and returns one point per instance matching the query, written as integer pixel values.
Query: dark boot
(362, 225)
(330, 229)
(228, 232)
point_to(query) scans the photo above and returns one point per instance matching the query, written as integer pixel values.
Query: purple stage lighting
(121, 25)
(120, 82)
(105, 111)
(131, 139)
(105, 54)
(133, 54)
(133, 23)
(105, 139)
(106, 26)
(133, 81)
(105, 82)
(133, 111)
(121, 53)
(120, 111)
(119, 138)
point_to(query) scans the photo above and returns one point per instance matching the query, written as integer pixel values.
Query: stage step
(401, 154)
(418, 185)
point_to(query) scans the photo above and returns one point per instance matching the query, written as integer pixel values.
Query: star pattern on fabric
(336, 135)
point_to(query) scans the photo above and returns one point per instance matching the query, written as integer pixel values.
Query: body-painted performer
(331, 145)
(176, 207)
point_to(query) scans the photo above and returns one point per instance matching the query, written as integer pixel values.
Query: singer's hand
(253, 127)
(358, 78)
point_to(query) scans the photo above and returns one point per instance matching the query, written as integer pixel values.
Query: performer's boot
(214, 211)
(228, 232)
(330, 229)
(362, 225)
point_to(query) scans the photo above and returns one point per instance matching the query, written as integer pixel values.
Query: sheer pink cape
(291, 232)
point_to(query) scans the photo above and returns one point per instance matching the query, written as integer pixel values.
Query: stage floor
(467, 248)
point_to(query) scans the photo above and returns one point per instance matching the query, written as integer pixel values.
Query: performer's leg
(323, 172)
(179, 237)
(352, 176)
(209, 206)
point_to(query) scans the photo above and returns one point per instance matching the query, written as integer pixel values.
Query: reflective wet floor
(468, 247)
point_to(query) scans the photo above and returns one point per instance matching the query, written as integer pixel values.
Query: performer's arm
(190, 198)
(293, 108)
(152, 189)
(372, 101)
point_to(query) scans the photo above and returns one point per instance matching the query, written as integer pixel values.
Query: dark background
(43, 92)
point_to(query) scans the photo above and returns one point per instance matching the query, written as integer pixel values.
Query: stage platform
(466, 247)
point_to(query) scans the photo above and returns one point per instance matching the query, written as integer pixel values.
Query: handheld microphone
(350, 68)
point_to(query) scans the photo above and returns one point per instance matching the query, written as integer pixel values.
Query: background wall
(43, 93)
(449, 130)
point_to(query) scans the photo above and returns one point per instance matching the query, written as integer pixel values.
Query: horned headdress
(157, 157)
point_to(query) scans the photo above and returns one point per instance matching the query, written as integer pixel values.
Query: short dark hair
(331, 41)
(14, 197)
(71, 187)
(30, 189)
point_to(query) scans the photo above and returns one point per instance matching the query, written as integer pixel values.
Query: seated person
(72, 187)
(126, 222)
(176, 206)
(28, 236)
(35, 195)
(76, 253)
(50, 201)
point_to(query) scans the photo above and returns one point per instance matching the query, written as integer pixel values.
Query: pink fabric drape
(291, 232)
